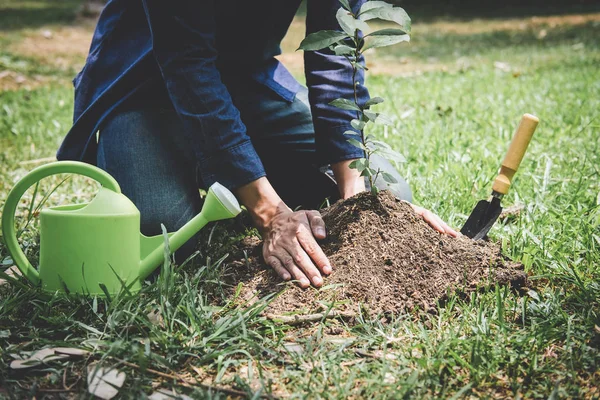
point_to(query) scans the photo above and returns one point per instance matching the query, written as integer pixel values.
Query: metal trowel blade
(482, 218)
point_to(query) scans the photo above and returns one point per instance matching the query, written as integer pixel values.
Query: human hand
(290, 247)
(289, 238)
(434, 221)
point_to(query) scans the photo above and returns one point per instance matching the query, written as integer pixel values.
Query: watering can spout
(219, 204)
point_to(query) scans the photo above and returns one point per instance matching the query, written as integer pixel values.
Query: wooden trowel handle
(515, 153)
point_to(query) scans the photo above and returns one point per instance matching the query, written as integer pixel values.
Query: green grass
(453, 127)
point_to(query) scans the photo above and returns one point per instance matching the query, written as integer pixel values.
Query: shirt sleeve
(183, 42)
(329, 77)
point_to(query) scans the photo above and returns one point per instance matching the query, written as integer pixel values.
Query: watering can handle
(12, 201)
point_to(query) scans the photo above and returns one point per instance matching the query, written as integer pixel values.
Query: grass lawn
(455, 94)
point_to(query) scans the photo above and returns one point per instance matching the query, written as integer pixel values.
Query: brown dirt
(384, 257)
(63, 47)
(11, 80)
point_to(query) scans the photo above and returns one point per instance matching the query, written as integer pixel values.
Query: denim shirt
(189, 49)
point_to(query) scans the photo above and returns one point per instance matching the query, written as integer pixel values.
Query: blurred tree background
(427, 10)
(463, 9)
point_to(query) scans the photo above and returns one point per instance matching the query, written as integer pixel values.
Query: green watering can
(86, 246)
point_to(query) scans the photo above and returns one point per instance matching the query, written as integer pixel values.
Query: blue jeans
(156, 169)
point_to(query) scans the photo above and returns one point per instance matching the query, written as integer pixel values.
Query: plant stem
(360, 114)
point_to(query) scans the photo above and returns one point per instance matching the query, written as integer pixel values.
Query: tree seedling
(351, 43)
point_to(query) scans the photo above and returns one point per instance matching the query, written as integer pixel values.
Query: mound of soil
(386, 258)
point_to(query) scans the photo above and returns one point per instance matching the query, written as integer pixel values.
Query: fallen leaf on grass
(43, 356)
(12, 272)
(37, 358)
(389, 378)
(199, 371)
(156, 318)
(377, 354)
(294, 348)
(104, 382)
(339, 340)
(71, 351)
(351, 362)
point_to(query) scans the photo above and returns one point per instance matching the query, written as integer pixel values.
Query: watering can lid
(226, 198)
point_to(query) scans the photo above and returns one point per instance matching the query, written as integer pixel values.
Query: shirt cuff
(333, 146)
(232, 167)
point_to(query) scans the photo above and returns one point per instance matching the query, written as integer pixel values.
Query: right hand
(289, 238)
(291, 250)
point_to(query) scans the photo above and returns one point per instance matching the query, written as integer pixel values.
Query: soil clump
(385, 257)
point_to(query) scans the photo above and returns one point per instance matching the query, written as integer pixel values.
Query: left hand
(350, 183)
(434, 221)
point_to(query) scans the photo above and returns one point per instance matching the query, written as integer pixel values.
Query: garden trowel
(486, 212)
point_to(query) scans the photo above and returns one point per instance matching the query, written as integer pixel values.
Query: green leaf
(388, 32)
(345, 104)
(320, 40)
(351, 133)
(380, 145)
(383, 119)
(358, 124)
(372, 101)
(378, 118)
(393, 155)
(371, 5)
(343, 50)
(345, 4)
(385, 11)
(384, 150)
(374, 41)
(370, 115)
(389, 178)
(350, 24)
(368, 172)
(357, 143)
(358, 165)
